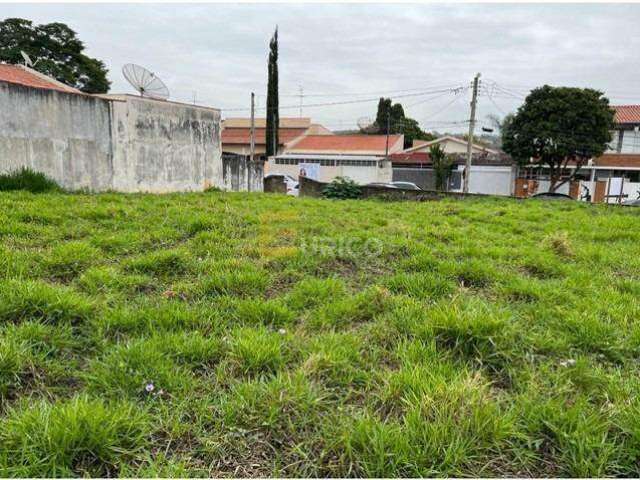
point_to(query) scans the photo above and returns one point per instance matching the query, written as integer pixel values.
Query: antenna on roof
(27, 59)
(145, 82)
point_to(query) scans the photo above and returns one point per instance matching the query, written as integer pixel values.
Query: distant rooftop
(627, 113)
(364, 144)
(28, 77)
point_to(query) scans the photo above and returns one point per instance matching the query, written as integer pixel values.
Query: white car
(406, 185)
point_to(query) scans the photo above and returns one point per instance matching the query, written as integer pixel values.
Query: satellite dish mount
(145, 82)
(27, 59)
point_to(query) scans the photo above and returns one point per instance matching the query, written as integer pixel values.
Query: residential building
(363, 158)
(625, 138)
(450, 144)
(236, 134)
(613, 177)
(106, 142)
(491, 173)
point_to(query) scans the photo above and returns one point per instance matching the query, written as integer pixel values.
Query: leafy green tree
(398, 123)
(559, 128)
(273, 116)
(57, 50)
(442, 164)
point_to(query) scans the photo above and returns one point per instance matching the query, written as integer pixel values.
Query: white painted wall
(543, 186)
(491, 180)
(360, 175)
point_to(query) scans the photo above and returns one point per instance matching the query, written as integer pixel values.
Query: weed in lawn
(77, 437)
(255, 351)
(33, 300)
(29, 180)
(69, 259)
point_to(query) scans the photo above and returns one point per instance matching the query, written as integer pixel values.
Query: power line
(347, 102)
(383, 92)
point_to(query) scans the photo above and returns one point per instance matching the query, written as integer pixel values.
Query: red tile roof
(29, 78)
(618, 160)
(411, 158)
(627, 113)
(347, 143)
(242, 136)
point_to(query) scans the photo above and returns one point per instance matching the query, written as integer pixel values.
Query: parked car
(381, 184)
(406, 185)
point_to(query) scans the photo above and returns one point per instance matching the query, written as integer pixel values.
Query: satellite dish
(145, 82)
(364, 123)
(27, 59)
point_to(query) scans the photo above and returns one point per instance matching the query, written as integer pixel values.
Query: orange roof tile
(627, 113)
(29, 78)
(242, 136)
(347, 143)
(621, 160)
(410, 157)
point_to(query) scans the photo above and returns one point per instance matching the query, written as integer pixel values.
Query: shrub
(342, 188)
(29, 180)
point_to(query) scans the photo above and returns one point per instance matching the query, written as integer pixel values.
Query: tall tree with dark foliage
(273, 117)
(398, 123)
(560, 129)
(58, 51)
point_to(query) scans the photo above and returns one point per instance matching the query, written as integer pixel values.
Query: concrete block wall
(66, 136)
(98, 143)
(164, 146)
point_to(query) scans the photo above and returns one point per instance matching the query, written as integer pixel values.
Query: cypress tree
(273, 117)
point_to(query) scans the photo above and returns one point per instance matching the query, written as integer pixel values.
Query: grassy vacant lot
(245, 335)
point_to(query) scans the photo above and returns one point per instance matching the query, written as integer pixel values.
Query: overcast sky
(345, 52)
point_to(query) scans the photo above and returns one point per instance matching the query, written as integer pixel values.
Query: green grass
(222, 334)
(27, 179)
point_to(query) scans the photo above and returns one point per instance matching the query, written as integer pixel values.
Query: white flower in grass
(282, 331)
(149, 387)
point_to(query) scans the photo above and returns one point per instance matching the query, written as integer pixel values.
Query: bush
(27, 179)
(342, 188)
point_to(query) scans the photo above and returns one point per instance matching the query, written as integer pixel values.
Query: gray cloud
(220, 51)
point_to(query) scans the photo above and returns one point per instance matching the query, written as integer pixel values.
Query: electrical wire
(346, 102)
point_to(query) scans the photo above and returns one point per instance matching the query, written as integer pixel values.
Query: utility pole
(472, 126)
(252, 148)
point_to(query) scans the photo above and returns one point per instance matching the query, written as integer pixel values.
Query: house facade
(450, 145)
(363, 158)
(492, 172)
(613, 177)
